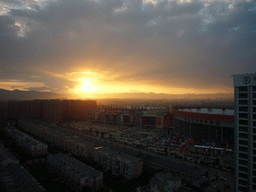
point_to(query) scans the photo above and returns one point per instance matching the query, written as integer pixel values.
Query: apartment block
(103, 157)
(245, 132)
(6, 157)
(119, 163)
(163, 182)
(75, 173)
(3, 115)
(63, 141)
(53, 111)
(30, 145)
(33, 109)
(14, 177)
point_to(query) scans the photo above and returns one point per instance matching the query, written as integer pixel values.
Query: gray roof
(17, 179)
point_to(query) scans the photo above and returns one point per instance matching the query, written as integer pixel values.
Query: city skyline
(96, 47)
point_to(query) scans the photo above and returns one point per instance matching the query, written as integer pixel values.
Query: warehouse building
(75, 173)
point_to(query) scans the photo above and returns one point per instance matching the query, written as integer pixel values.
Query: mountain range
(31, 95)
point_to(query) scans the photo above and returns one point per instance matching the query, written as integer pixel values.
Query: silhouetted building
(245, 132)
(3, 115)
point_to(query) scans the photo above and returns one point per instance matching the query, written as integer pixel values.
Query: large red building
(212, 125)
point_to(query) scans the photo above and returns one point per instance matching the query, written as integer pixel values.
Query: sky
(123, 46)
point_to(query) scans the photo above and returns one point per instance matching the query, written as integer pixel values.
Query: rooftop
(209, 111)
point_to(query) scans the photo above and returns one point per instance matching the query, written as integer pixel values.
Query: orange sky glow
(93, 47)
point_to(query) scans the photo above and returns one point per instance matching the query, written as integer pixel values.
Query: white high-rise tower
(245, 132)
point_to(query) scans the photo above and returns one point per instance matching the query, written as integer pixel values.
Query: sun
(87, 86)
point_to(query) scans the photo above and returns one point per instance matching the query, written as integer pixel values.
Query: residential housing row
(30, 145)
(119, 163)
(13, 176)
(74, 173)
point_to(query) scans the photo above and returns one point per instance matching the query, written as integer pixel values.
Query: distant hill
(31, 95)
(156, 96)
(28, 95)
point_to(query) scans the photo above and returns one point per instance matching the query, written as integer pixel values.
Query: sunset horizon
(101, 47)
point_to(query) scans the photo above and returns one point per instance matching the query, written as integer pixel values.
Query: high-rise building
(245, 132)
(3, 115)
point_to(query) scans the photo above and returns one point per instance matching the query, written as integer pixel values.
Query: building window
(254, 145)
(242, 89)
(243, 122)
(243, 102)
(244, 149)
(243, 169)
(244, 129)
(254, 166)
(254, 173)
(243, 135)
(254, 187)
(254, 130)
(254, 102)
(242, 155)
(254, 109)
(243, 142)
(241, 188)
(254, 137)
(243, 115)
(254, 95)
(242, 95)
(254, 152)
(254, 123)
(243, 162)
(243, 175)
(254, 88)
(243, 109)
(242, 182)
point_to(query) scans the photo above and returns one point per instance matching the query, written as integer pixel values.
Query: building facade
(118, 163)
(245, 132)
(212, 125)
(75, 173)
(3, 115)
(165, 182)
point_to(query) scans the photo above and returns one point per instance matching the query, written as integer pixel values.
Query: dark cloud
(198, 45)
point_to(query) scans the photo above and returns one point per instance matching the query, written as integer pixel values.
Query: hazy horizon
(5, 94)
